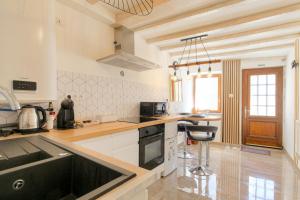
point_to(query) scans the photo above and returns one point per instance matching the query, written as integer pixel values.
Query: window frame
(172, 91)
(219, 76)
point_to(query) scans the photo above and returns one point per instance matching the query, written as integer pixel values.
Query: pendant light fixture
(193, 41)
(199, 72)
(174, 77)
(134, 7)
(209, 61)
(199, 67)
(188, 73)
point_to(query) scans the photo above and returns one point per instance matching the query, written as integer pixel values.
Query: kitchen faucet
(10, 97)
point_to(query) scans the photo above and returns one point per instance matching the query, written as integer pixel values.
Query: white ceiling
(253, 43)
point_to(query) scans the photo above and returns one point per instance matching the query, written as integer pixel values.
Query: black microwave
(153, 108)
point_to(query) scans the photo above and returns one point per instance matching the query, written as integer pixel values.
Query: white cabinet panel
(123, 145)
(171, 134)
(101, 144)
(124, 139)
(128, 154)
(170, 129)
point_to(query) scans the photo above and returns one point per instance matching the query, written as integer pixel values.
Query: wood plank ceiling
(235, 28)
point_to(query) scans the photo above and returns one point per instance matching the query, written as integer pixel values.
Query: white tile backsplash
(100, 95)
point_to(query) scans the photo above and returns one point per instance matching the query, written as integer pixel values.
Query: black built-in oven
(151, 146)
(153, 108)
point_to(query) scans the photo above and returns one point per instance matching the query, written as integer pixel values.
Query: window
(176, 90)
(207, 95)
(263, 95)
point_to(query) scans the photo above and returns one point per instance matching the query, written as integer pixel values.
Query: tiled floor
(238, 175)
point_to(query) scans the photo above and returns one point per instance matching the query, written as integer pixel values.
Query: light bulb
(209, 72)
(174, 77)
(199, 72)
(188, 74)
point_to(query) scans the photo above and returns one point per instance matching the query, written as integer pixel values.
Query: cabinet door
(101, 144)
(128, 154)
(126, 147)
(170, 129)
(124, 139)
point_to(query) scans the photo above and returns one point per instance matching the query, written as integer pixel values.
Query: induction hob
(137, 120)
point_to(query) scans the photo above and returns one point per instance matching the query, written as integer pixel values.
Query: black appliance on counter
(65, 117)
(153, 108)
(151, 146)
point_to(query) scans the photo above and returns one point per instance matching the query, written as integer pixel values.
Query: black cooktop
(137, 120)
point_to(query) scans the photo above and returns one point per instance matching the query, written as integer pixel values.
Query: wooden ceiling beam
(288, 45)
(194, 63)
(190, 13)
(239, 44)
(226, 23)
(236, 35)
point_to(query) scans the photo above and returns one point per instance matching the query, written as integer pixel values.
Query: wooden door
(262, 107)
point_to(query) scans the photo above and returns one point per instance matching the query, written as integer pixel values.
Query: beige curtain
(231, 101)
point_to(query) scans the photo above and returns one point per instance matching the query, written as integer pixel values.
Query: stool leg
(184, 144)
(200, 154)
(185, 154)
(202, 170)
(207, 154)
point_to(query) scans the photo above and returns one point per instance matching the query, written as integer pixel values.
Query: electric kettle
(30, 120)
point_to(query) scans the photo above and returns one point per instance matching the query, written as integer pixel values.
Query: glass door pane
(263, 95)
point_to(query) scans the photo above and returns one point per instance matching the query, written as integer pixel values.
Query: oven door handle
(153, 136)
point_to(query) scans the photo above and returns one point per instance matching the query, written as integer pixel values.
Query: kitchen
(114, 68)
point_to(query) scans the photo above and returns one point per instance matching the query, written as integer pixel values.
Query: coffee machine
(65, 117)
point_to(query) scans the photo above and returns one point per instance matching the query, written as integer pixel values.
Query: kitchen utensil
(30, 120)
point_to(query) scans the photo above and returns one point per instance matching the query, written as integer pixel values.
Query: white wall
(263, 62)
(289, 106)
(27, 51)
(82, 39)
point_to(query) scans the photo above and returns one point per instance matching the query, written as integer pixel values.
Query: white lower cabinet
(101, 144)
(128, 154)
(170, 163)
(123, 146)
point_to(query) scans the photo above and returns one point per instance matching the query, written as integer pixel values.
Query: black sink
(56, 173)
(19, 152)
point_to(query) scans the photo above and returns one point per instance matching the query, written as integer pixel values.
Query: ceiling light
(135, 7)
(188, 74)
(174, 77)
(199, 71)
(209, 71)
(189, 42)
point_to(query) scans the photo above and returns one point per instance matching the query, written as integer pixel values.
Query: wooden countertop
(144, 177)
(73, 135)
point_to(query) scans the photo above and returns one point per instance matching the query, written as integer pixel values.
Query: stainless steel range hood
(125, 53)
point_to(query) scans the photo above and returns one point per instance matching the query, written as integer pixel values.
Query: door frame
(246, 99)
